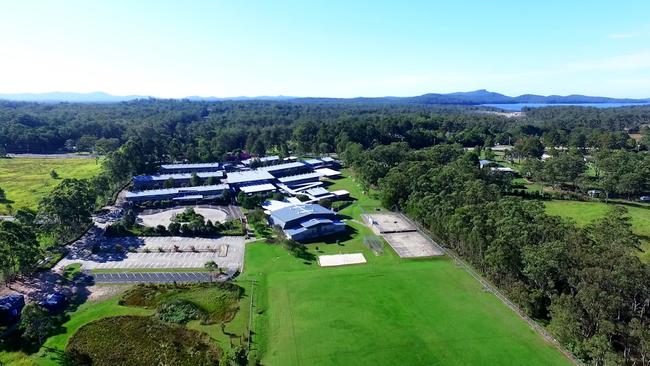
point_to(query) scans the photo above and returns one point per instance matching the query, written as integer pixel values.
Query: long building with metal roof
(282, 170)
(190, 168)
(197, 193)
(154, 181)
(248, 177)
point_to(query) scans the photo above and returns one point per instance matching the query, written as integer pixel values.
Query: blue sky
(325, 48)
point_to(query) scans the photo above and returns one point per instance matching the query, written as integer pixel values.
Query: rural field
(387, 311)
(26, 180)
(584, 213)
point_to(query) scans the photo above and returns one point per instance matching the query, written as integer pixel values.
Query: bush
(138, 340)
(178, 311)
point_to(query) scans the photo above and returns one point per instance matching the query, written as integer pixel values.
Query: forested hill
(476, 97)
(204, 131)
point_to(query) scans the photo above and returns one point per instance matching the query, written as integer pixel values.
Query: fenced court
(412, 244)
(402, 235)
(388, 222)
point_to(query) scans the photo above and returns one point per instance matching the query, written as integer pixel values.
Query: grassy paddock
(584, 213)
(27, 180)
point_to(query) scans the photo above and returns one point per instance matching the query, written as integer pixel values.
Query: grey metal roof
(258, 188)
(318, 191)
(274, 168)
(299, 211)
(191, 166)
(294, 178)
(248, 176)
(264, 159)
(177, 176)
(172, 191)
(313, 161)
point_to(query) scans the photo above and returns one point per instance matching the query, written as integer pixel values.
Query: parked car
(644, 198)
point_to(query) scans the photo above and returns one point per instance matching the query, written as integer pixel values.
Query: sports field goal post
(374, 243)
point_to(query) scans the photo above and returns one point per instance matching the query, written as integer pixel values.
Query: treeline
(574, 117)
(207, 131)
(615, 172)
(586, 284)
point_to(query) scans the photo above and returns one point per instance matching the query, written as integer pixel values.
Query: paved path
(152, 277)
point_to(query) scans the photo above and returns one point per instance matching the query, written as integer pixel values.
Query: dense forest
(202, 131)
(585, 284)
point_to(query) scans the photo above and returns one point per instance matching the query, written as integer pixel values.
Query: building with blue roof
(304, 222)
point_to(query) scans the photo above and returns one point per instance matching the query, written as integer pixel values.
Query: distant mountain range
(467, 98)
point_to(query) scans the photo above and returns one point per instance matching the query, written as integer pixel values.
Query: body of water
(515, 107)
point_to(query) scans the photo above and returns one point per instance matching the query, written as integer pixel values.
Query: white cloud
(633, 61)
(623, 35)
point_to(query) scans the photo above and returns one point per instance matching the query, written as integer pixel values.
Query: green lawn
(584, 213)
(385, 312)
(26, 180)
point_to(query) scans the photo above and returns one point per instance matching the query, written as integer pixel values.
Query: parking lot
(165, 217)
(152, 277)
(174, 243)
(162, 252)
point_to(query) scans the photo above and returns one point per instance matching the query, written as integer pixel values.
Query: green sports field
(388, 311)
(584, 213)
(26, 180)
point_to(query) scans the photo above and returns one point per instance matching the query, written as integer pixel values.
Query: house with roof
(302, 222)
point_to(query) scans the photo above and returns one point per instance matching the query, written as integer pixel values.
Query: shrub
(138, 340)
(178, 311)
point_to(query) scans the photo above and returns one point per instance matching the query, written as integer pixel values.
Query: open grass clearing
(584, 213)
(26, 180)
(218, 303)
